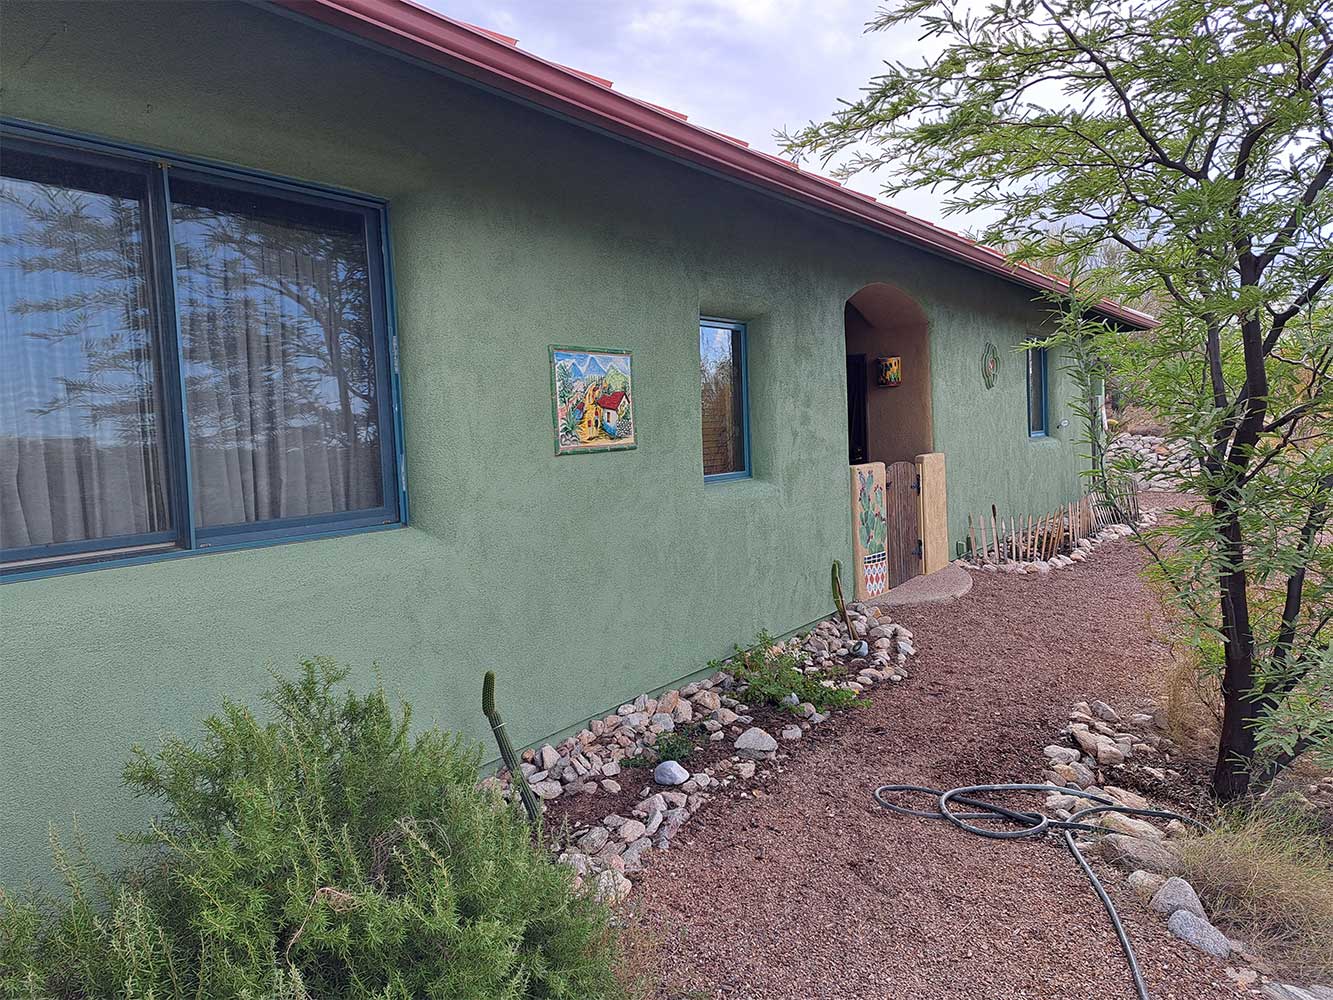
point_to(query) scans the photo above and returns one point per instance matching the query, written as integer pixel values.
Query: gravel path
(818, 893)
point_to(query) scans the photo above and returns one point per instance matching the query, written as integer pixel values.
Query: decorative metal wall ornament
(990, 365)
(889, 371)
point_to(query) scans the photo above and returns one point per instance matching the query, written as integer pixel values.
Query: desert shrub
(772, 676)
(676, 745)
(325, 852)
(1265, 873)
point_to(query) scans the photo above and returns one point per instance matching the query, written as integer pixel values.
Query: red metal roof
(495, 61)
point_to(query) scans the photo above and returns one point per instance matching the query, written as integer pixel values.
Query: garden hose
(1030, 825)
(507, 750)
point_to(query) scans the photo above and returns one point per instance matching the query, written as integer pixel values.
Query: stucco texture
(581, 580)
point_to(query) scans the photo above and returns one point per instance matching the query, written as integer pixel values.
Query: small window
(238, 393)
(1037, 425)
(726, 443)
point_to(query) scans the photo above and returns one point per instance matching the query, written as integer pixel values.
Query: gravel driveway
(817, 893)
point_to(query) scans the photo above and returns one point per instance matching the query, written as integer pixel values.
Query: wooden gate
(904, 521)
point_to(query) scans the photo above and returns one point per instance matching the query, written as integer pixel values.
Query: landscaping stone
(546, 789)
(791, 733)
(1198, 932)
(1131, 853)
(1176, 894)
(611, 886)
(1131, 826)
(1145, 885)
(669, 772)
(756, 744)
(631, 830)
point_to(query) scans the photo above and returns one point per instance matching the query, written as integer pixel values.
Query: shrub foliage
(326, 852)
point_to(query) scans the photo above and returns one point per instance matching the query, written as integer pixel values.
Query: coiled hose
(1031, 825)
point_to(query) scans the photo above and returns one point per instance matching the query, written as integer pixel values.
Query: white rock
(669, 772)
(756, 744)
(791, 733)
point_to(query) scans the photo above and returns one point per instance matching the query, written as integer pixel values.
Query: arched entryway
(888, 428)
(887, 423)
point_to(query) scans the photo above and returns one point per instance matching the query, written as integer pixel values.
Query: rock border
(604, 854)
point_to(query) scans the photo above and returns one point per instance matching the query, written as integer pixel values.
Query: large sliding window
(190, 360)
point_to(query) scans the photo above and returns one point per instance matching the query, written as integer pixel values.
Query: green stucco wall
(511, 230)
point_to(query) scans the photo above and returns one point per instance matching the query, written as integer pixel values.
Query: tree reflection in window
(274, 301)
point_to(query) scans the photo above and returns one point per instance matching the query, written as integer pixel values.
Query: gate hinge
(920, 551)
(916, 484)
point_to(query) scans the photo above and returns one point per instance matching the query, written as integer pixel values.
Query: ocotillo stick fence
(994, 539)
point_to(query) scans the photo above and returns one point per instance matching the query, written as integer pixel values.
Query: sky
(743, 67)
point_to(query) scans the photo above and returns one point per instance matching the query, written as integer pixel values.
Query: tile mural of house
(287, 388)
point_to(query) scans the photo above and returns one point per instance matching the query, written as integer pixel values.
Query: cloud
(743, 67)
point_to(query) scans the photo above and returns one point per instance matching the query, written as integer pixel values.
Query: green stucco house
(281, 285)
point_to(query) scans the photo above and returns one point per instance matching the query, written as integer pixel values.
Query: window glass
(1037, 391)
(82, 438)
(237, 392)
(722, 364)
(278, 345)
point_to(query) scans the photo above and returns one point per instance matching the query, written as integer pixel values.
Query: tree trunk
(1232, 774)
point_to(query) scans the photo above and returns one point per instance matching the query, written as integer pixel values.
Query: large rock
(1104, 711)
(756, 744)
(1131, 826)
(611, 886)
(1131, 853)
(669, 772)
(1061, 755)
(1176, 894)
(1285, 991)
(631, 830)
(594, 840)
(1197, 931)
(1145, 885)
(547, 789)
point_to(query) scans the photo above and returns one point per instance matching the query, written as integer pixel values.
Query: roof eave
(482, 57)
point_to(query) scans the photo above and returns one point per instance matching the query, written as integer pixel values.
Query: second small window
(726, 432)
(1037, 426)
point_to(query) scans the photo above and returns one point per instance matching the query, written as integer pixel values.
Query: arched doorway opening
(887, 423)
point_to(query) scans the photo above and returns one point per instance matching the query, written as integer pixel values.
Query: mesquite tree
(1196, 136)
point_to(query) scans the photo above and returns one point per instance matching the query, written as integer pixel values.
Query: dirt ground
(815, 892)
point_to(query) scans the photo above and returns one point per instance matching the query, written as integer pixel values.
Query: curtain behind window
(274, 300)
(81, 442)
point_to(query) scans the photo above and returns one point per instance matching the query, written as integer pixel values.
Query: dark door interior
(858, 450)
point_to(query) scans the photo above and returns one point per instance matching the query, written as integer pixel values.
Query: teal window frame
(187, 538)
(1038, 354)
(744, 364)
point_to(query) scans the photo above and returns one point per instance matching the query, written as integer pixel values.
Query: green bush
(676, 745)
(323, 854)
(772, 676)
